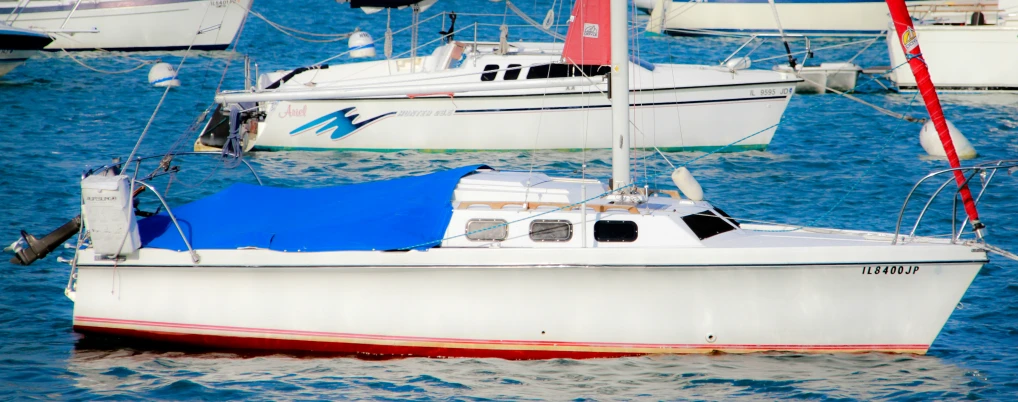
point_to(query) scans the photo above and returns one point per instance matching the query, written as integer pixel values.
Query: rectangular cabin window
(725, 215)
(590, 70)
(487, 229)
(492, 72)
(615, 231)
(551, 230)
(513, 72)
(565, 70)
(548, 71)
(706, 224)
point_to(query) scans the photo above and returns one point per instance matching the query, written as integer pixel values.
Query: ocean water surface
(833, 162)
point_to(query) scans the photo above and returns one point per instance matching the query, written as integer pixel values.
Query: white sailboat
(969, 46)
(18, 45)
(813, 18)
(482, 263)
(131, 25)
(527, 95)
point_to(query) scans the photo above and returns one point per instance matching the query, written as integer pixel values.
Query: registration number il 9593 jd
(890, 270)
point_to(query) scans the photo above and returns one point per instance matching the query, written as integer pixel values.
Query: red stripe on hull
(382, 345)
(217, 342)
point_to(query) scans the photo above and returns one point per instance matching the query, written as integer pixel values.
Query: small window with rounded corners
(615, 231)
(491, 72)
(487, 229)
(551, 230)
(513, 72)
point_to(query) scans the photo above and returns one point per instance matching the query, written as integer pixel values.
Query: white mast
(620, 92)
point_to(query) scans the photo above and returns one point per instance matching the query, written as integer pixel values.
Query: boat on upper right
(828, 18)
(969, 46)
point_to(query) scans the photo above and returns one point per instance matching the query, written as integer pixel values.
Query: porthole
(487, 229)
(615, 231)
(551, 230)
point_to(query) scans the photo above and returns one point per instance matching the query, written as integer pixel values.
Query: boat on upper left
(131, 25)
(17, 45)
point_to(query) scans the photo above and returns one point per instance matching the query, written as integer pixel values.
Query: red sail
(910, 44)
(588, 40)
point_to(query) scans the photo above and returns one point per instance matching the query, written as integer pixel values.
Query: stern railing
(986, 173)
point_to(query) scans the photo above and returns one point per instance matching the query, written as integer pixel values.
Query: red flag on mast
(910, 44)
(588, 40)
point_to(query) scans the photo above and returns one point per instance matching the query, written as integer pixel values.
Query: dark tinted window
(548, 71)
(512, 73)
(615, 231)
(492, 72)
(705, 224)
(565, 70)
(730, 219)
(589, 71)
(551, 230)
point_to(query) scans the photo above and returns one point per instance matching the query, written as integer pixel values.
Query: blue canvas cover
(383, 215)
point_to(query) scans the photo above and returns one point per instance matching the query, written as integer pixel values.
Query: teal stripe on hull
(727, 149)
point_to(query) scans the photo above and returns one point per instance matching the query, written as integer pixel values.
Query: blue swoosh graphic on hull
(340, 123)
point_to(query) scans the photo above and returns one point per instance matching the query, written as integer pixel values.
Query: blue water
(833, 163)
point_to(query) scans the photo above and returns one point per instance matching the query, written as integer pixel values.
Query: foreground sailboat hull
(136, 25)
(527, 310)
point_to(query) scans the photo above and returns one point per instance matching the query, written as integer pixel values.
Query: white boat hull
(9, 59)
(961, 58)
(544, 303)
(818, 79)
(135, 25)
(816, 18)
(680, 119)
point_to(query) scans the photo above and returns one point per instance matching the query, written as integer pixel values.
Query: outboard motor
(109, 215)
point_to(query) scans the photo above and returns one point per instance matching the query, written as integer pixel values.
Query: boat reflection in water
(159, 373)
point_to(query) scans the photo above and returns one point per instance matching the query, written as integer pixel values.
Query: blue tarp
(382, 215)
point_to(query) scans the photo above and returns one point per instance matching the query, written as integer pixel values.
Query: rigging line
(816, 49)
(509, 5)
(135, 68)
(872, 41)
(993, 249)
(286, 29)
(163, 99)
(851, 189)
(875, 107)
(781, 31)
(669, 16)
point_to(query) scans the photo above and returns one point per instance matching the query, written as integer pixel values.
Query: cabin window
(487, 229)
(551, 230)
(565, 70)
(615, 231)
(706, 224)
(548, 71)
(590, 70)
(725, 215)
(491, 72)
(512, 73)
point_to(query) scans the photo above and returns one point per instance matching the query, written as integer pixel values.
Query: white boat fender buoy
(361, 45)
(930, 141)
(687, 184)
(740, 63)
(163, 75)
